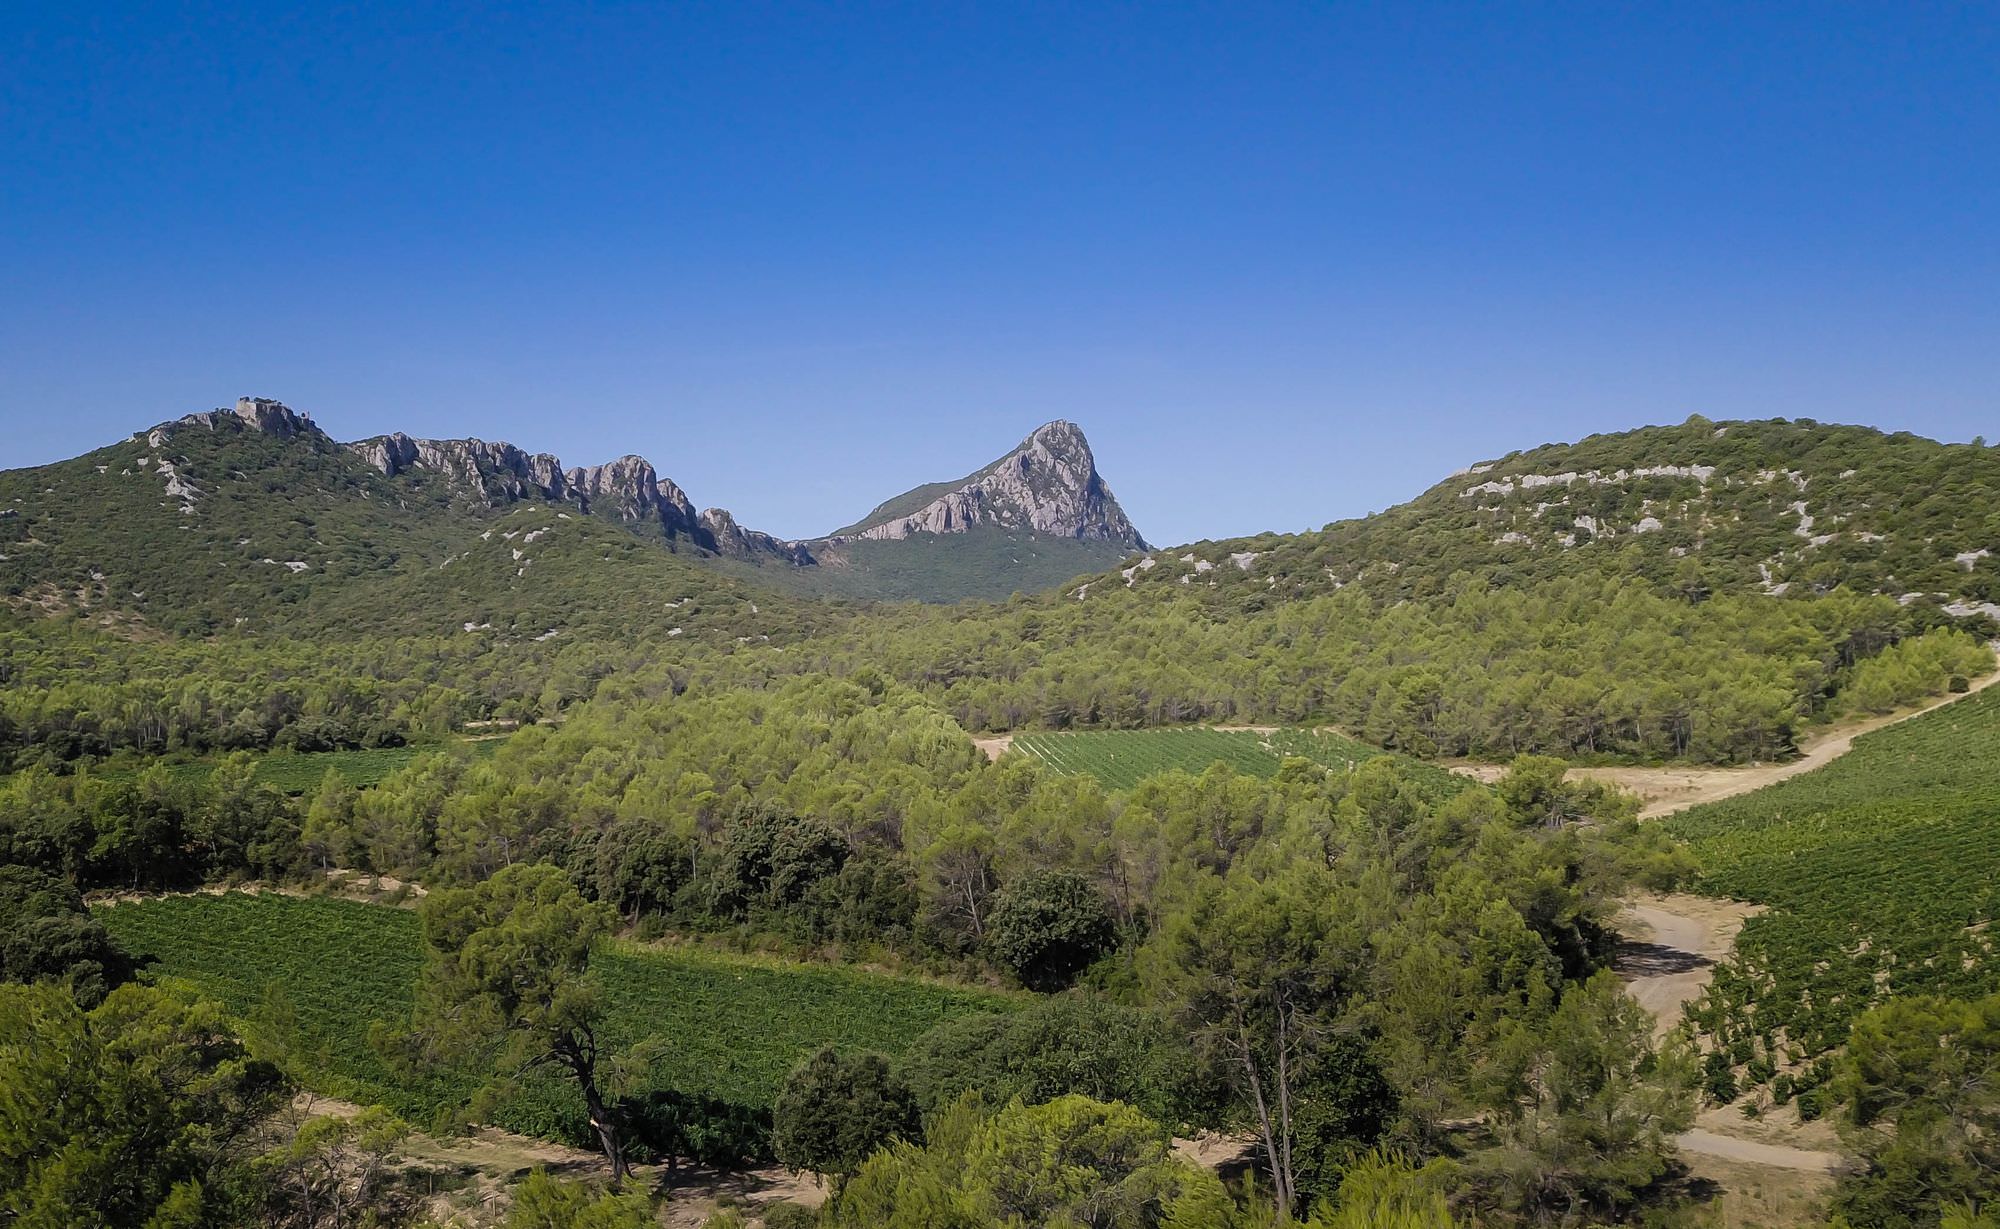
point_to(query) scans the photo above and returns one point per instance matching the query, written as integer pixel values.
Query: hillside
(255, 520)
(255, 516)
(1774, 507)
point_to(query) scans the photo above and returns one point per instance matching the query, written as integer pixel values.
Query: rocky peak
(251, 414)
(273, 417)
(1048, 485)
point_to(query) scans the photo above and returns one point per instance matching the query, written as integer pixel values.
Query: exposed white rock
(1131, 574)
(1243, 559)
(1531, 482)
(1966, 609)
(1513, 537)
(1048, 485)
(1968, 559)
(1648, 524)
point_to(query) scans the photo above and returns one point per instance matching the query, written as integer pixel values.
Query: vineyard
(1881, 872)
(1122, 758)
(734, 1025)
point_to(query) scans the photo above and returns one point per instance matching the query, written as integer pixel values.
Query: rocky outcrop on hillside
(733, 540)
(1049, 485)
(250, 414)
(495, 473)
(628, 489)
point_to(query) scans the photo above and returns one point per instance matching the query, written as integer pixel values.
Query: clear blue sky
(1284, 263)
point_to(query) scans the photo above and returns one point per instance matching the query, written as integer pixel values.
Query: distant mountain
(236, 516)
(1048, 485)
(254, 518)
(1030, 520)
(1776, 507)
(627, 490)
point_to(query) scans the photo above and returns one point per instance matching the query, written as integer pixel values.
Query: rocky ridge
(1048, 485)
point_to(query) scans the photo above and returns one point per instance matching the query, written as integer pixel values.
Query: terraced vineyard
(1122, 758)
(1882, 873)
(734, 1025)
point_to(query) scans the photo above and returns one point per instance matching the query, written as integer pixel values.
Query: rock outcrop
(1049, 485)
(251, 414)
(628, 489)
(733, 540)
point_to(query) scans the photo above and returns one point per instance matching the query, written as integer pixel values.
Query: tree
(121, 1115)
(1072, 1161)
(833, 1112)
(45, 931)
(1344, 1106)
(505, 976)
(1062, 1044)
(1254, 970)
(1921, 1081)
(1587, 1110)
(1049, 926)
(1384, 1191)
(330, 1173)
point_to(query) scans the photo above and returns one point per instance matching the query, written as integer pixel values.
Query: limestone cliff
(1049, 486)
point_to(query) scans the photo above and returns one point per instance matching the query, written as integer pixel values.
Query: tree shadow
(1636, 959)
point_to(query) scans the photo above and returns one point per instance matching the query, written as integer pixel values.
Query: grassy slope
(734, 1025)
(1882, 867)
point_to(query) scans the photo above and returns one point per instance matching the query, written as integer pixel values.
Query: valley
(984, 819)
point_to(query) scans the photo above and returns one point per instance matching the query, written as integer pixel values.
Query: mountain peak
(1047, 485)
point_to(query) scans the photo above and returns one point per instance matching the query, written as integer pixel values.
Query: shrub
(1049, 926)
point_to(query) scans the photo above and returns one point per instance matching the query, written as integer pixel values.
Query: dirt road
(1668, 953)
(1665, 790)
(1672, 943)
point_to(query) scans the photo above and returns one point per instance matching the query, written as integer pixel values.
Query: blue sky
(1283, 263)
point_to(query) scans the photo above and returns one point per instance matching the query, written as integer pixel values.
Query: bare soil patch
(994, 745)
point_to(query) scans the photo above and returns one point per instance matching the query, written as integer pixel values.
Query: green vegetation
(1699, 509)
(736, 1026)
(1922, 1083)
(295, 772)
(986, 562)
(123, 1114)
(1881, 872)
(506, 987)
(1122, 758)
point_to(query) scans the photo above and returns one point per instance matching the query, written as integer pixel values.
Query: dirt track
(1672, 942)
(1665, 790)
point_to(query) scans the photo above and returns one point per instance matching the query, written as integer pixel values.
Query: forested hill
(256, 521)
(1700, 508)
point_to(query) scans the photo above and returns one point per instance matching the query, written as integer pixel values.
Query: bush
(1049, 926)
(790, 1215)
(1060, 1046)
(833, 1112)
(672, 1126)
